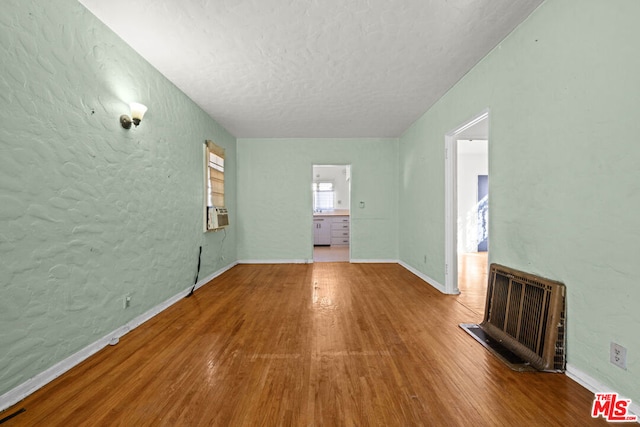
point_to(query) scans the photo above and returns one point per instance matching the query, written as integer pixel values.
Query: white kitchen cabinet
(321, 231)
(340, 230)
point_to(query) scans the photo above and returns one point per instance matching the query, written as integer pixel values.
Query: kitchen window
(323, 195)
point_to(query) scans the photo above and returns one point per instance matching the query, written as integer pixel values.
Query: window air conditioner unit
(217, 218)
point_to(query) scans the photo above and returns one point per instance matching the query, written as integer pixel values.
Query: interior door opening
(467, 201)
(473, 216)
(331, 188)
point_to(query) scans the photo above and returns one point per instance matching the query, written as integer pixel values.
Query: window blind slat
(215, 170)
(215, 149)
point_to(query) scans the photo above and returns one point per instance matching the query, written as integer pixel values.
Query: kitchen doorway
(331, 201)
(467, 212)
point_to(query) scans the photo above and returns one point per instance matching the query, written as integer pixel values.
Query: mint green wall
(275, 207)
(90, 212)
(563, 93)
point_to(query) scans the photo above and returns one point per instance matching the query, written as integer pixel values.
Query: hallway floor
(473, 270)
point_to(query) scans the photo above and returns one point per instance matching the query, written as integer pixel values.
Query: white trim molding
(374, 261)
(33, 384)
(424, 277)
(451, 204)
(596, 386)
(275, 261)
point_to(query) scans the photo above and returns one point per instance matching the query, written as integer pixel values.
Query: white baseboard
(275, 261)
(310, 261)
(596, 386)
(28, 387)
(213, 275)
(373, 261)
(424, 277)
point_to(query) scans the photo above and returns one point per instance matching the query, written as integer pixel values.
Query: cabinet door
(321, 231)
(315, 232)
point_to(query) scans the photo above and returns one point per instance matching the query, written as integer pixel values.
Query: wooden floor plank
(473, 277)
(306, 345)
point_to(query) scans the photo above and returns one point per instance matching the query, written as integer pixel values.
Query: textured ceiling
(313, 68)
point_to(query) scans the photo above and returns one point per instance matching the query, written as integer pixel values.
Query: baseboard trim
(33, 384)
(275, 261)
(373, 261)
(596, 386)
(424, 277)
(213, 275)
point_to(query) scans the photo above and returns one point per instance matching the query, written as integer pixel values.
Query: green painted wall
(90, 212)
(563, 92)
(275, 207)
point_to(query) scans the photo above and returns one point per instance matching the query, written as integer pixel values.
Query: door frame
(451, 201)
(349, 167)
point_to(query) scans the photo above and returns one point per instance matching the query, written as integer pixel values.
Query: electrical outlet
(127, 301)
(618, 355)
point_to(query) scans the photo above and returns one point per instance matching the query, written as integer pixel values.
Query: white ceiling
(313, 68)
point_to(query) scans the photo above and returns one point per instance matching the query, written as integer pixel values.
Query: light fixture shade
(137, 111)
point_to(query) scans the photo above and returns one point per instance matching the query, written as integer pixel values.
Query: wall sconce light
(137, 111)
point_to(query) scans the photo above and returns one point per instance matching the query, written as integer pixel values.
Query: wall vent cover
(524, 320)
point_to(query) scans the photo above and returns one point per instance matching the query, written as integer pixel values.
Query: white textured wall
(90, 212)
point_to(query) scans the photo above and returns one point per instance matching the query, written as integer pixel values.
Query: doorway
(467, 211)
(331, 201)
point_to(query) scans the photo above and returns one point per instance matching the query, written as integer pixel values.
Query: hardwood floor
(473, 271)
(306, 345)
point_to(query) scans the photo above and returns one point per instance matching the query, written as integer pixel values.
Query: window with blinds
(214, 158)
(323, 195)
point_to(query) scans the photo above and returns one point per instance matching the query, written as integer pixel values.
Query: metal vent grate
(526, 313)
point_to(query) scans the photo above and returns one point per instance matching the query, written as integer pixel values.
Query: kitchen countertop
(336, 212)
